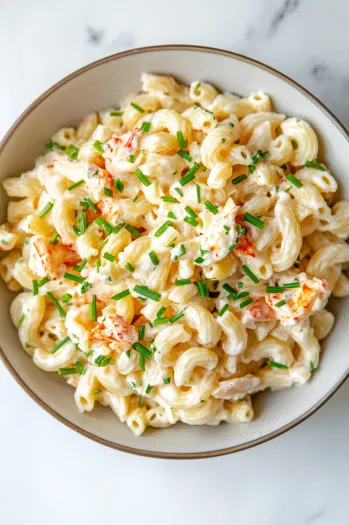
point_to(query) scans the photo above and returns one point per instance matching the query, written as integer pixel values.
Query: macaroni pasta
(175, 256)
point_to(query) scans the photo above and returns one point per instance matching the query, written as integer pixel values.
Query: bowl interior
(105, 84)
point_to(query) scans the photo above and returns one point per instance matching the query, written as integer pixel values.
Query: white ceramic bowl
(102, 84)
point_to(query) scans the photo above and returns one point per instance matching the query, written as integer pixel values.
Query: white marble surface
(48, 473)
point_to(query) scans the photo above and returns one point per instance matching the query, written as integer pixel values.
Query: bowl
(103, 84)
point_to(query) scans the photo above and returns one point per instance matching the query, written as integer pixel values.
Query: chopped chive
(93, 308)
(137, 107)
(98, 265)
(162, 229)
(141, 398)
(144, 180)
(198, 193)
(45, 210)
(118, 227)
(190, 212)
(73, 277)
(145, 127)
(280, 303)
(142, 350)
(142, 364)
(80, 267)
(76, 185)
(176, 317)
(35, 287)
(251, 168)
(141, 331)
(56, 303)
(102, 360)
(129, 267)
(184, 155)
(167, 381)
(136, 197)
(104, 225)
(296, 284)
(171, 244)
(232, 247)
(239, 179)
(43, 281)
(148, 389)
(240, 230)
(229, 289)
(276, 365)
(179, 191)
(182, 251)
(144, 290)
(121, 295)
(60, 344)
(85, 287)
(131, 158)
(98, 146)
(153, 258)
(181, 139)
(211, 207)
(67, 371)
(246, 303)
(239, 285)
(190, 175)
(274, 289)
(191, 221)
(109, 256)
(259, 155)
(171, 215)
(166, 198)
(181, 282)
(66, 298)
(119, 185)
(21, 319)
(72, 151)
(250, 274)
(202, 287)
(82, 223)
(254, 220)
(239, 296)
(54, 238)
(291, 178)
(96, 391)
(160, 320)
(108, 192)
(116, 113)
(223, 309)
(313, 164)
(161, 311)
(199, 260)
(88, 204)
(133, 231)
(311, 366)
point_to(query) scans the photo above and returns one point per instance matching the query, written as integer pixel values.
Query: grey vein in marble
(288, 7)
(94, 36)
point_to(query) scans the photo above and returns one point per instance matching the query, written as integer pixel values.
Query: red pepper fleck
(128, 144)
(245, 247)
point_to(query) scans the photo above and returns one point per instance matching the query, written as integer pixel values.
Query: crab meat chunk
(310, 297)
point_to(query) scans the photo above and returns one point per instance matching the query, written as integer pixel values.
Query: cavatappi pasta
(175, 256)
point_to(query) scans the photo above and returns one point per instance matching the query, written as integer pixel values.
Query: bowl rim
(15, 374)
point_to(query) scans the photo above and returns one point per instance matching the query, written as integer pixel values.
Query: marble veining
(287, 8)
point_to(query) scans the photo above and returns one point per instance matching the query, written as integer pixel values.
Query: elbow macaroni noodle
(175, 256)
